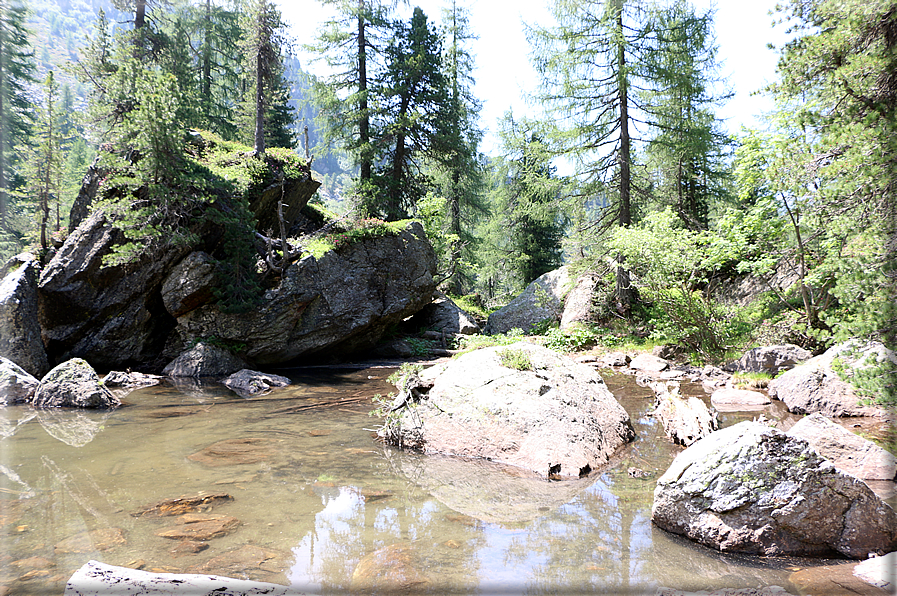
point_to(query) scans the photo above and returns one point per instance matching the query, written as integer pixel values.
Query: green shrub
(515, 358)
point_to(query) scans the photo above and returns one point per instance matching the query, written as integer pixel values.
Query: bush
(515, 358)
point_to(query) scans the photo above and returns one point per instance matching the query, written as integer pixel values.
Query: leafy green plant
(573, 339)
(515, 358)
(469, 343)
(419, 347)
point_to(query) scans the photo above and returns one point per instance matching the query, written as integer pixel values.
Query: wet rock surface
(16, 384)
(230, 452)
(557, 418)
(199, 526)
(684, 419)
(73, 384)
(185, 504)
(251, 383)
(848, 452)
(391, 569)
(753, 489)
(248, 561)
(94, 540)
(20, 334)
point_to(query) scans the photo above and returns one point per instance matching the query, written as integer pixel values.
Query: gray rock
(251, 383)
(736, 400)
(770, 359)
(130, 380)
(190, 284)
(342, 303)
(444, 316)
(648, 363)
(94, 578)
(815, 386)
(557, 418)
(685, 420)
(578, 303)
(204, 360)
(88, 192)
(73, 384)
(542, 300)
(20, 334)
(849, 453)
(16, 385)
(615, 359)
(753, 489)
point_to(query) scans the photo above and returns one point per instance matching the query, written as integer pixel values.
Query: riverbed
(316, 498)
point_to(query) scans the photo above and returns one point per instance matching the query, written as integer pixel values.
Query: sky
(504, 76)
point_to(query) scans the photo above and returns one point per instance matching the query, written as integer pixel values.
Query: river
(314, 494)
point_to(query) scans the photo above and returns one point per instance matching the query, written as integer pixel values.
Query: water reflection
(73, 427)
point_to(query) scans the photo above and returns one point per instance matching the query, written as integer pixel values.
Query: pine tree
(414, 95)
(48, 171)
(16, 68)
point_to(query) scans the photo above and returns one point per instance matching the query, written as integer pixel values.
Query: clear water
(316, 493)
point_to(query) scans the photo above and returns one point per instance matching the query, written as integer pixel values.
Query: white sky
(501, 52)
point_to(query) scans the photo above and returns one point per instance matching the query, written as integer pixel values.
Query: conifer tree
(16, 68)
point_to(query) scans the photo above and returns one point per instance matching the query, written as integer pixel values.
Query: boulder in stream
(770, 360)
(73, 384)
(735, 400)
(821, 384)
(204, 360)
(685, 420)
(251, 383)
(753, 489)
(16, 385)
(523, 405)
(849, 452)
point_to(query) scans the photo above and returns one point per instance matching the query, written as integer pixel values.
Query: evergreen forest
(630, 175)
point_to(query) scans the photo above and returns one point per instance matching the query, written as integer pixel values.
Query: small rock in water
(639, 473)
(200, 527)
(93, 540)
(188, 547)
(182, 505)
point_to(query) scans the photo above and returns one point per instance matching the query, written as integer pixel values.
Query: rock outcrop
(20, 336)
(848, 452)
(578, 303)
(815, 385)
(190, 284)
(251, 383)
(446, 317)
(542, 300)
(770, 360)
(73, 384)
(684, 419)
(548, 415)
(343, 302)
(16, 385)
(204, 360)
(753, 489)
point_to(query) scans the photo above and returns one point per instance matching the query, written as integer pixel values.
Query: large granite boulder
(343, 302)
(770, 359)
(204, 360)
(547, 414)
(753, 489)
(848, 452)
(685, 419)
(73, 384)
(816, 385)
(578, 304)
(444, 316)
(16, 385)
(542, 300)
(20, 338)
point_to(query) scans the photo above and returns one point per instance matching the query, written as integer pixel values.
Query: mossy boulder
(73, 384)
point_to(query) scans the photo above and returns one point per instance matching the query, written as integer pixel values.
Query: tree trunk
(394, 209)
(207, 66)
(364, 123)
(140, 14)
(625, 293)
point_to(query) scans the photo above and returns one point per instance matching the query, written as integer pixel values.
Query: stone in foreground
(73, 384)
(848, 452)
(556, 418)
(753, 489)
(99, 579)
(16, 385)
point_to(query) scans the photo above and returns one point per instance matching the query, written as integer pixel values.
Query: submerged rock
(753, 489)
(250, 383)
(204, 360)
(389, 569)
(94, 540)
(543, 299)
(231, 452)
(555, 417)
(849, 452)
(184, 504)
(247, 561)
(198, 526)
(770, 360)
(16, 385)
(20, 334)
(816, 385)
(73, 384)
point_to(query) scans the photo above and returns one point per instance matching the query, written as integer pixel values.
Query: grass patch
(515, 358)
(751, 380)
(469, 343)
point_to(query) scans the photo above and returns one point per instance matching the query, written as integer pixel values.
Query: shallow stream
(315, 494)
